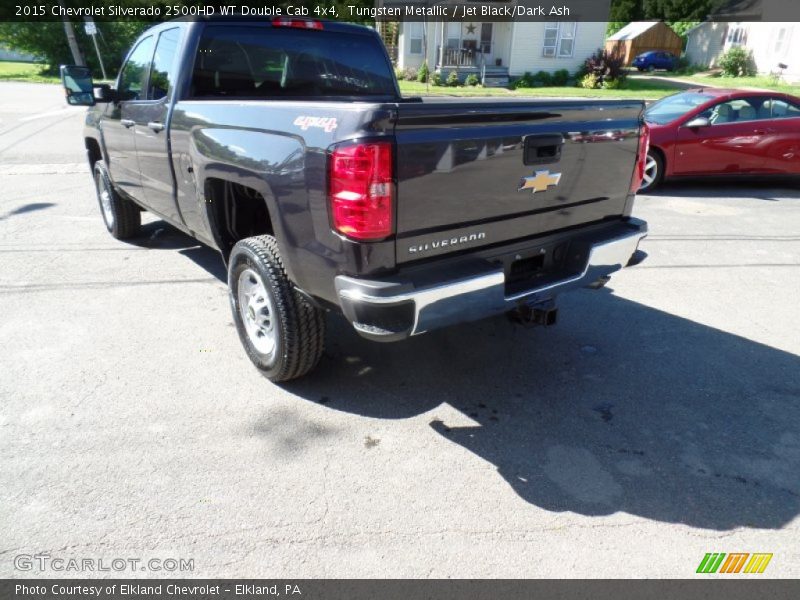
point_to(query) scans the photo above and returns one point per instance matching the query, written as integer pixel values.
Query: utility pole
(71, 39)
(91, 29)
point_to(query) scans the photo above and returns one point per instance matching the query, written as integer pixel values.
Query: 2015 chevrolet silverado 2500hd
(286, 145)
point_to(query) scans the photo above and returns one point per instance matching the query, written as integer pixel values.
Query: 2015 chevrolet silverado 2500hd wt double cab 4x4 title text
(286, 145)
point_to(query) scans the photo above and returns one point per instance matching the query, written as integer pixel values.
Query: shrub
(436, 79)
(543, 79)
(423, 73)
(472, 80)
(684, 67)
(452, 79)
(560, 78)
(399, 73)
(590, 81)
(737, 62)
(525, 81)
(540, 79)
(612, 84)
(603, 65)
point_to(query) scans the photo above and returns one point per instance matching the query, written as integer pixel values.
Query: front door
(732, 143)
(152, 140)
(120, 117)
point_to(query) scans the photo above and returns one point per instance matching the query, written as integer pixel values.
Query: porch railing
(457, 57)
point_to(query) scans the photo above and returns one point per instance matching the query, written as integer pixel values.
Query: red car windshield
(672, 107)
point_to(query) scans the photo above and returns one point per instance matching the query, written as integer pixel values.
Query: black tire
(650, 68)
(122, 217)
(296, 326)
(658, 161)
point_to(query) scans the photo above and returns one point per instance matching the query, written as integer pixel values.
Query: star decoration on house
(470, 28)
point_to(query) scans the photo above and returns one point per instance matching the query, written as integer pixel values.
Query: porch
(481, 49)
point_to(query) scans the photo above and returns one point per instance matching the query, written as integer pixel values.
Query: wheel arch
(663, 154)
(238, 204)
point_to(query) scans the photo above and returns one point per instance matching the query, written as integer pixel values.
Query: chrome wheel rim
(257, 312)
(650, 172)
(104, 196)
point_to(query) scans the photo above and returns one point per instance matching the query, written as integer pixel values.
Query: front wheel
(653, 172)
(121, 216)
(281, 331)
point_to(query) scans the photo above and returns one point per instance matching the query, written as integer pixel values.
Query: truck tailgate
(477, 173)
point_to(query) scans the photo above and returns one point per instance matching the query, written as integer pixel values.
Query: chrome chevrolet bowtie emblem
(540, 181)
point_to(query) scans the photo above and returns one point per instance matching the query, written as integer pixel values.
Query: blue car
(655, 59)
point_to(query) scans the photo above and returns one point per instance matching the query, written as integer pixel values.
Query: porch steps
(495, 77)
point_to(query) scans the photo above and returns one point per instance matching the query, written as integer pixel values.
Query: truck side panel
(274, 148)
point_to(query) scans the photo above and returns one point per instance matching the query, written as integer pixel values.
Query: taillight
(641, 158)
(361, 190)
(297, 23)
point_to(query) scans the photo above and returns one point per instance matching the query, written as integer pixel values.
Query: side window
(783, 110)
(133, 79)
(738, 110)
(162, 74)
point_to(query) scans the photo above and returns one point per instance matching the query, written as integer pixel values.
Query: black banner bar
(369, 11)
(713, 588)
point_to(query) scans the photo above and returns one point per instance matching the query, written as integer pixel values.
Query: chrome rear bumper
(392, 309)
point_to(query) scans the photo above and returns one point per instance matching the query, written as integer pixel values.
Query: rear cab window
(274, 62)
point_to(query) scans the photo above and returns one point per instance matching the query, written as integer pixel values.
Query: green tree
(47, 41)
(625, 11)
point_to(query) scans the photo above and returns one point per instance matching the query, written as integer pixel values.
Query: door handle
(127, 123)
(759, 131)
(155, 126)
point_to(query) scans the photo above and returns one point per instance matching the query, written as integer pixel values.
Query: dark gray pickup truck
(287, 146)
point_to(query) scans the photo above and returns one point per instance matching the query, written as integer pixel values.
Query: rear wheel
(121, 216)
(282, 332)
(653, 171)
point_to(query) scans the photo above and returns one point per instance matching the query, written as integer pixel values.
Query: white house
(771, 44)
(496, 50)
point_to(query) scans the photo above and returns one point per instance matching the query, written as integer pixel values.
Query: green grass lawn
(30, 72)
(644, 90)
(759, 81)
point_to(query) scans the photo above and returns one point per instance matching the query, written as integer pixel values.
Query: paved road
(658, 421)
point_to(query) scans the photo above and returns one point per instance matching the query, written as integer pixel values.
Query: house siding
(762, 39)
(527, 43)
(406, 60)
(518, 45)
(704, 44)
(705, 48)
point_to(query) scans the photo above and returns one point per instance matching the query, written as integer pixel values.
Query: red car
(722, 132)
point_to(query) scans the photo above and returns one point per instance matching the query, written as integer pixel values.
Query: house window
(780, 41)
(566, 39)
(737, 36)
(454, 35)
(559, 39)
(414, 38)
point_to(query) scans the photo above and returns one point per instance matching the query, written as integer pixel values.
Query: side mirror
(698, 122)
(104, 93)
(78, 85)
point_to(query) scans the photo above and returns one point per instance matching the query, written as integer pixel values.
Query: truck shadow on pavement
(160, 235)
(621, 407)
